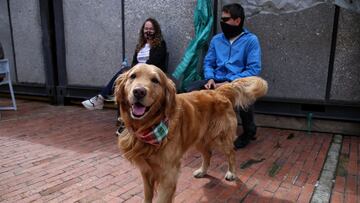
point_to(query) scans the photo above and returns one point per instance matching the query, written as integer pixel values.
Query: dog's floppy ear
(119, 91)
(170, 93)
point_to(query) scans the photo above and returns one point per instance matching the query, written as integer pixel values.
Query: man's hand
(210, 84)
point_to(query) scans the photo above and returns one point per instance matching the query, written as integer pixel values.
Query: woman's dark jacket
(157, 57)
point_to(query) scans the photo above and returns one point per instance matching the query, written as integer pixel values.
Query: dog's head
(144, 92)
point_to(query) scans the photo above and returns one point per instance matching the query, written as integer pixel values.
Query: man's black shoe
(240, 142)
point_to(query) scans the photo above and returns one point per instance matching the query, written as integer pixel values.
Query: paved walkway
(68, 154)
(347, 182)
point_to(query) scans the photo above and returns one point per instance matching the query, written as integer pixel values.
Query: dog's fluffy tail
(244, 91)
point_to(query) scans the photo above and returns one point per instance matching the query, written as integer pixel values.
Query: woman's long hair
(157, 38)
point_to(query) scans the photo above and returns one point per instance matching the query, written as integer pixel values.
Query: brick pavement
(347, 182)
(69, 154)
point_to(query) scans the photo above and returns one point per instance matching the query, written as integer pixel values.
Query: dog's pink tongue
(138, 110)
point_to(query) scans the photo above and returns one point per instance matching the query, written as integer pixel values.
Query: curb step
(323, 187)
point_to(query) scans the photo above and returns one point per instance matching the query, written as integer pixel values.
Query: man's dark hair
(236, 11)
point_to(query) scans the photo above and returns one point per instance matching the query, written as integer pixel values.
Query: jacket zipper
(229, 52)
(233, 43)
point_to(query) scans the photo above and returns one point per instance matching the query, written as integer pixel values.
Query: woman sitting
(151, 49)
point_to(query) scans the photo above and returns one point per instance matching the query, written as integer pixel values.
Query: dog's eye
(133, 76)
(155, 80)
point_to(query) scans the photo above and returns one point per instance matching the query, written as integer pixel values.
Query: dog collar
(154, 135)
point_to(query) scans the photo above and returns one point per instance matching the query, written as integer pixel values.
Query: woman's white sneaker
(96, 102)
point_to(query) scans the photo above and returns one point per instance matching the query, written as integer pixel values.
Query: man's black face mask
(230, 31)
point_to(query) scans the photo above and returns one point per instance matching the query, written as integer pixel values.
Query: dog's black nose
(139, 92)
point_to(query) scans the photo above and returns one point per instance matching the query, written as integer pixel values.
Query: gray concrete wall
(92, 40)
(5, 36)
(346, 77)
(26, 24)
(93, 35)
(175, 18)
(295, 51)
(296, 46)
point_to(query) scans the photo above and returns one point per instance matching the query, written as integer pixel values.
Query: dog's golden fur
(204, 119)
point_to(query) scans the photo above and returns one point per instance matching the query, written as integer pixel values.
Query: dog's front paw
(200, 173)
(230, 176)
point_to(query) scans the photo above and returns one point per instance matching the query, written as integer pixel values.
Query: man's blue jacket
(227, 62)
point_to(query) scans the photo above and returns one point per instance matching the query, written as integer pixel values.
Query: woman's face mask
(149, 35)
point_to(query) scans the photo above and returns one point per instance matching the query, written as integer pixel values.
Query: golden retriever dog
(162, 125)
